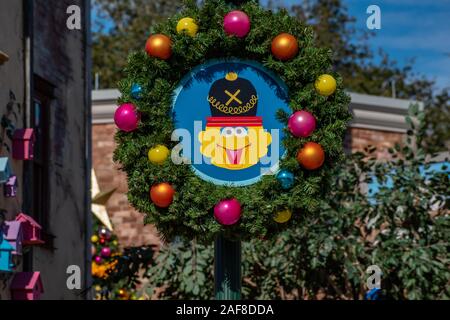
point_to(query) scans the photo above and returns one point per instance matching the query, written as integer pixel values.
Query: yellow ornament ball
(94, 238)
(283, 216)
(325, 85)
(158, 154)
(188, 26)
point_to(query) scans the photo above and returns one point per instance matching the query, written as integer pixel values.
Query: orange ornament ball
(284, 46)
(162, 194)
(159, 46)
(311, 156)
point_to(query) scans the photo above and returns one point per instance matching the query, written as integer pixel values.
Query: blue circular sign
(225, 117)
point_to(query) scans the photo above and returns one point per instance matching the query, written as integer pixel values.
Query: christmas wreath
(237, 42)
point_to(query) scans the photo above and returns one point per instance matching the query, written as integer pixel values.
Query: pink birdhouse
(23, 144)
(31, 229)
(10, 187)
(27, 286)
(14, 235)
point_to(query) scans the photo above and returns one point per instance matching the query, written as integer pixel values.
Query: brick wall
(128, 223)
(357, 139)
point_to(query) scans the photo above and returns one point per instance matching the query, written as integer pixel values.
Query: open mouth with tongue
(234, 155)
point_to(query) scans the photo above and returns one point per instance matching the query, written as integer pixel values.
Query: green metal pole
(227, 268)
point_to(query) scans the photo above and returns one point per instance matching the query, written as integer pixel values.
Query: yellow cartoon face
(236, 147)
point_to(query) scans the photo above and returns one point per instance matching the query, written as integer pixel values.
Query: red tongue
(234, 156)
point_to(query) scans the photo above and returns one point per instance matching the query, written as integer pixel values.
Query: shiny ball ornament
(126, 117)
(188, 26)
(283, 216)
(159, 46)
(94, 238)
(98, 259)
(105, 252)
(237, 23)
(325, 85)
(302, 124)
(286, 179)
(284, 47)
(104, 233)
(162, 194)
(311, 156)
(158, 154)
(136, 91)
(123, 294)
(102, 241)
(227, 212)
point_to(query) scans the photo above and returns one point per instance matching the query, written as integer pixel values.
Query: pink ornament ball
(98, 259)
(302, 124)
(106, 252)
(237, 23)
(126, 117)
(227, 212)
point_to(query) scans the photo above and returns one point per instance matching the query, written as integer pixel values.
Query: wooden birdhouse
(10, 187)
(27, 286)
(5, 169)
(6, 254)
(12, 231)
(31, 229)
(23, 144)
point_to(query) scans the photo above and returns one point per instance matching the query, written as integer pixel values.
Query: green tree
(121, 27)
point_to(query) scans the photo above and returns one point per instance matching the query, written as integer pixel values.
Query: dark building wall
(59, 58)
(59, 77)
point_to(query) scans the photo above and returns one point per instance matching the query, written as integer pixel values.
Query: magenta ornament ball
(98, 259)
(126, 117)
(237, 23)
(106, 252)
(302, 124)
(227, 212)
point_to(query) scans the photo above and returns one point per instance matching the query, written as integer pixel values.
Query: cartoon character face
(234, 147)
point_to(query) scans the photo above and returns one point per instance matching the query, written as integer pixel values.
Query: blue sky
(417, 29)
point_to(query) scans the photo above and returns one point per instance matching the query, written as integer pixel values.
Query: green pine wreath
(191, 212)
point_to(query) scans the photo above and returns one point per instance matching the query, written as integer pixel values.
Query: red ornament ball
(162, 194)
(311, 156)
(159, 46)
(285, 47)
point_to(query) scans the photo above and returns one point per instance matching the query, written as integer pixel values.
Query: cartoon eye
(227, 132)
(240, 132)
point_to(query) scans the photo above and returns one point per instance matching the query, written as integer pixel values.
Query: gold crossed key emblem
(233, 97)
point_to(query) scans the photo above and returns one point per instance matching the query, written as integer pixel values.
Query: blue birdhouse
(5, 169)
(6, 255)
(373, 294)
